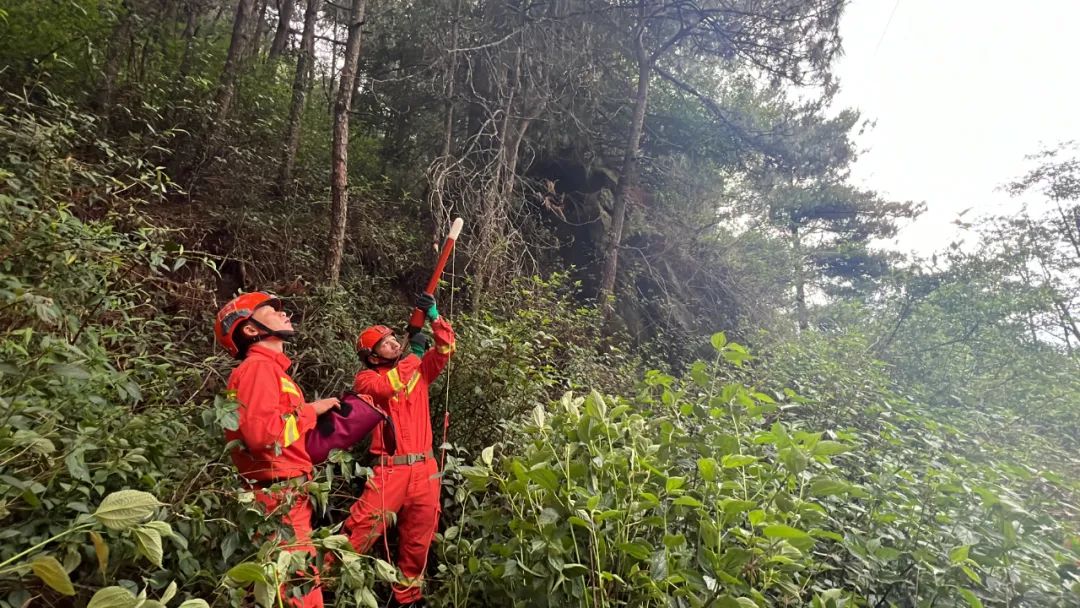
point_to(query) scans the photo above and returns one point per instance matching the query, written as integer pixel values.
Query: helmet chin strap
(377, 361)
(285, 335)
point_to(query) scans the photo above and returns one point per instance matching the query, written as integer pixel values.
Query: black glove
(426, 303)
(419, 343)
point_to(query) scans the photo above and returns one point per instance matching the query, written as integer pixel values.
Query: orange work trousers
(411, 491)
(298, 518)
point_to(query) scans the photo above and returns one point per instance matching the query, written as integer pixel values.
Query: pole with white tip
(416, 322)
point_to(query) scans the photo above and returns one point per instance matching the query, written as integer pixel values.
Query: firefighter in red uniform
(273, 416)
(406, 480)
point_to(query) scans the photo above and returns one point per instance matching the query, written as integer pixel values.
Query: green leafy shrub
(685, 495)
(88, 363)
(532, 345)
(954, 512)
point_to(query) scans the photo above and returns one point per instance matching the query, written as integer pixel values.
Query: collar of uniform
(275, 356)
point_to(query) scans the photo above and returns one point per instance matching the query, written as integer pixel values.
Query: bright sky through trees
(961, 91)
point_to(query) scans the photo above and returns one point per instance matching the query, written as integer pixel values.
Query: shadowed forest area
(689, 373)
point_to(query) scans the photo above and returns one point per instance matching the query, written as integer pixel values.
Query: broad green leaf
(548, 516)
(830, 448)
(125, 509)
(886, 553)
(699, 374)
(609, 514)
(707, 468)
(726, 601)
(756, 516)
(194, 603)
(247, 572)
(672, 541)
(539, 416)
(163, 528)
(674, 483)
(688, 501)
(364, 597)
(170, 592)
(732, 461)
(148, 543)
(545, 478)
(577, 521)
(52, 573)
(959, 554)
(718, 340)
(574, 570)
(735, 505)
(339, 542)
(972, 600)
(793, 458)
(488, 455)
(824, 486)
(266, 594)
(112, 597)
(70, 370)
(783, 531)
(637, 551)
(385, 571)
(971, 574)
(34, 442)
(827, 534)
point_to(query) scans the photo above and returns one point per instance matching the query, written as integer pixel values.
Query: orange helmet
(370, 337)
(238, 310)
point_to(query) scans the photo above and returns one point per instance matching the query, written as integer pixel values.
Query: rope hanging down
(449, 366)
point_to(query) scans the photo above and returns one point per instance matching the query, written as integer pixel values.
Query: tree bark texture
(281, 36)
(118, 42)
(301, 86)
(260, 27)
(451, 73)
(237, 47)
(627, 180)
(339, 175)
(802, 314)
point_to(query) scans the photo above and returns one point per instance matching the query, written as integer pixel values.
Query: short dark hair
(243, 341)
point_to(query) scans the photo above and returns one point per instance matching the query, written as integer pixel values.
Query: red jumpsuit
(273, 420)
(408, 482)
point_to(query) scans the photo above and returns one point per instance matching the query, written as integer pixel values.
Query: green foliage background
(915, 445)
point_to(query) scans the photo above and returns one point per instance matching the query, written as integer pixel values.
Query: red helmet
(370, 337)
(238, 310)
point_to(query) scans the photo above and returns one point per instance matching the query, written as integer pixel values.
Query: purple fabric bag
(342, 428)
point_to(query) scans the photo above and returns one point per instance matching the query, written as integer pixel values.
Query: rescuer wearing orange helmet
(273, 416)
(406, 480)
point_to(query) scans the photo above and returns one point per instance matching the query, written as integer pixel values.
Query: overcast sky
(961, 91)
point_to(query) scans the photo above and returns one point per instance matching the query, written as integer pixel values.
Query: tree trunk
(191, 28)
(301, 86)
(448, 142)
(801, 312)
(281, 36)
(237, 47)
(333, 71)
(260, 27)
(627, 180)
(339, 177)
(113, 57)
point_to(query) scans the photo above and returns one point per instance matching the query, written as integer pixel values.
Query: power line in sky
(887, 24)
